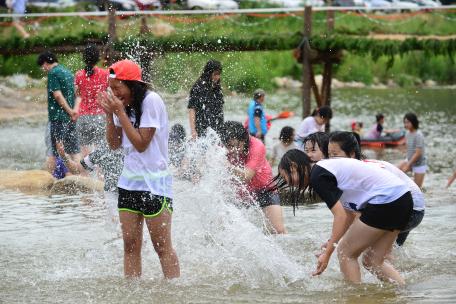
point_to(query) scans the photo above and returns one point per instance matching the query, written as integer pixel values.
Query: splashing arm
(192, 121)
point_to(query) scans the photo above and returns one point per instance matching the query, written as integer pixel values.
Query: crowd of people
(112, 120)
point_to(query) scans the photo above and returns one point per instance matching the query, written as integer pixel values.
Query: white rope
(223, 12)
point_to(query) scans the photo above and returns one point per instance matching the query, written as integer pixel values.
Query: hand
(60, 148)
(258, 135)
(110, 103)
(73, 115)
(322, 263)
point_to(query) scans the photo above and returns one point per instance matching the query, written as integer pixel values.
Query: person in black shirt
(206, 101)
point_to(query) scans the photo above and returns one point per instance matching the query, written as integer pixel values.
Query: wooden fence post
(306, 71)
(112, 34)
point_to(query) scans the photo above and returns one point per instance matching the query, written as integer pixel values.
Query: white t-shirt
(148, 171)
(355, 183)
(280, 149)
(417, 195)
(309, 126)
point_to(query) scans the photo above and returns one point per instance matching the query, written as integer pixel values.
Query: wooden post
(112, 35)
(327, 68)
(306, 82)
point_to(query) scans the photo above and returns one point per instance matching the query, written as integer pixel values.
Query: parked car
(51, 3)
(348, 3)
(403, 5)
(428, 3)
(212, 4)
(377, 4)
(295, 3)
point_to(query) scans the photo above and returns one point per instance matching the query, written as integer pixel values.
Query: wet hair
(302, 163)
(324, 112)
(235, 130)
(319, 138)
(138, 91)
(379, 117)
(413, 120)
(177, 134)
(286, 134)
(46, 57)
(349, 142)
(90, 56)
(210, 67)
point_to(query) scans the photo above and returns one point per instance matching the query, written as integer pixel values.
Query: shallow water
(64, 249)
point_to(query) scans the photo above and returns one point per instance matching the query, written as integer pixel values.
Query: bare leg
(18, 25)
(374, 259)
(275, 217)
(358, 238)
(419, 179)
(132, 226)
(160, 234)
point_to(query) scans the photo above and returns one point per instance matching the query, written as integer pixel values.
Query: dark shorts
(266, 198)
(415, 220)
(64, 131)
(143, 202)
(391, 216)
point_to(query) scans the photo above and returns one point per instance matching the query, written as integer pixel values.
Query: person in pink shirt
(247, 154)
(89, 82)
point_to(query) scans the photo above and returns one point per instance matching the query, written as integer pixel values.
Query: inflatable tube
(394, 139)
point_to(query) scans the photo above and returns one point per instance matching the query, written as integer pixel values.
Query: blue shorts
(65, 132)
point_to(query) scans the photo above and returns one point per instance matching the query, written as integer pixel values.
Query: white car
(296, 3)
(212, 4)
(428, 3)
(51, 3)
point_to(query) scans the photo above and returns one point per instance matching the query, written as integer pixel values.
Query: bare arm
(192, 121)
(140, 138)
(64, 104)
(77, 102)
(341, 222)
(245, 174)
(415, 157)
(258, 126)
(73, 166)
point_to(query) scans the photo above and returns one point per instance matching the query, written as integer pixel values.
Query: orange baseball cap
(125, 70)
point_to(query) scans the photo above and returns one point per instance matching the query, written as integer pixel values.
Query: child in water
(137, 121)
(247, 154)
(286, 143)
(345, 144)
(416, 156)
(348, 186)
(377, 129)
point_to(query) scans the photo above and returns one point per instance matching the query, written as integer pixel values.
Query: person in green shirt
(61, 99)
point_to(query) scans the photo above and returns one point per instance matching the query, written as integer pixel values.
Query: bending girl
(348, 186)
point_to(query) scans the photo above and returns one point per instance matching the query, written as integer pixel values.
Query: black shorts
(391, 216)
(65, 132)
(266, 198)
(143, 202)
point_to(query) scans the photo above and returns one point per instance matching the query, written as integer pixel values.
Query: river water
(63, 249)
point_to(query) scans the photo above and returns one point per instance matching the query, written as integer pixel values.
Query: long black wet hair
(319, 138)
(206, 76)
(301, 162)
(90, 56)
(349, 142)
(235, 130)
(138, 91)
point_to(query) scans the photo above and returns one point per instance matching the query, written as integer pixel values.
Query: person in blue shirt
(257, 117)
